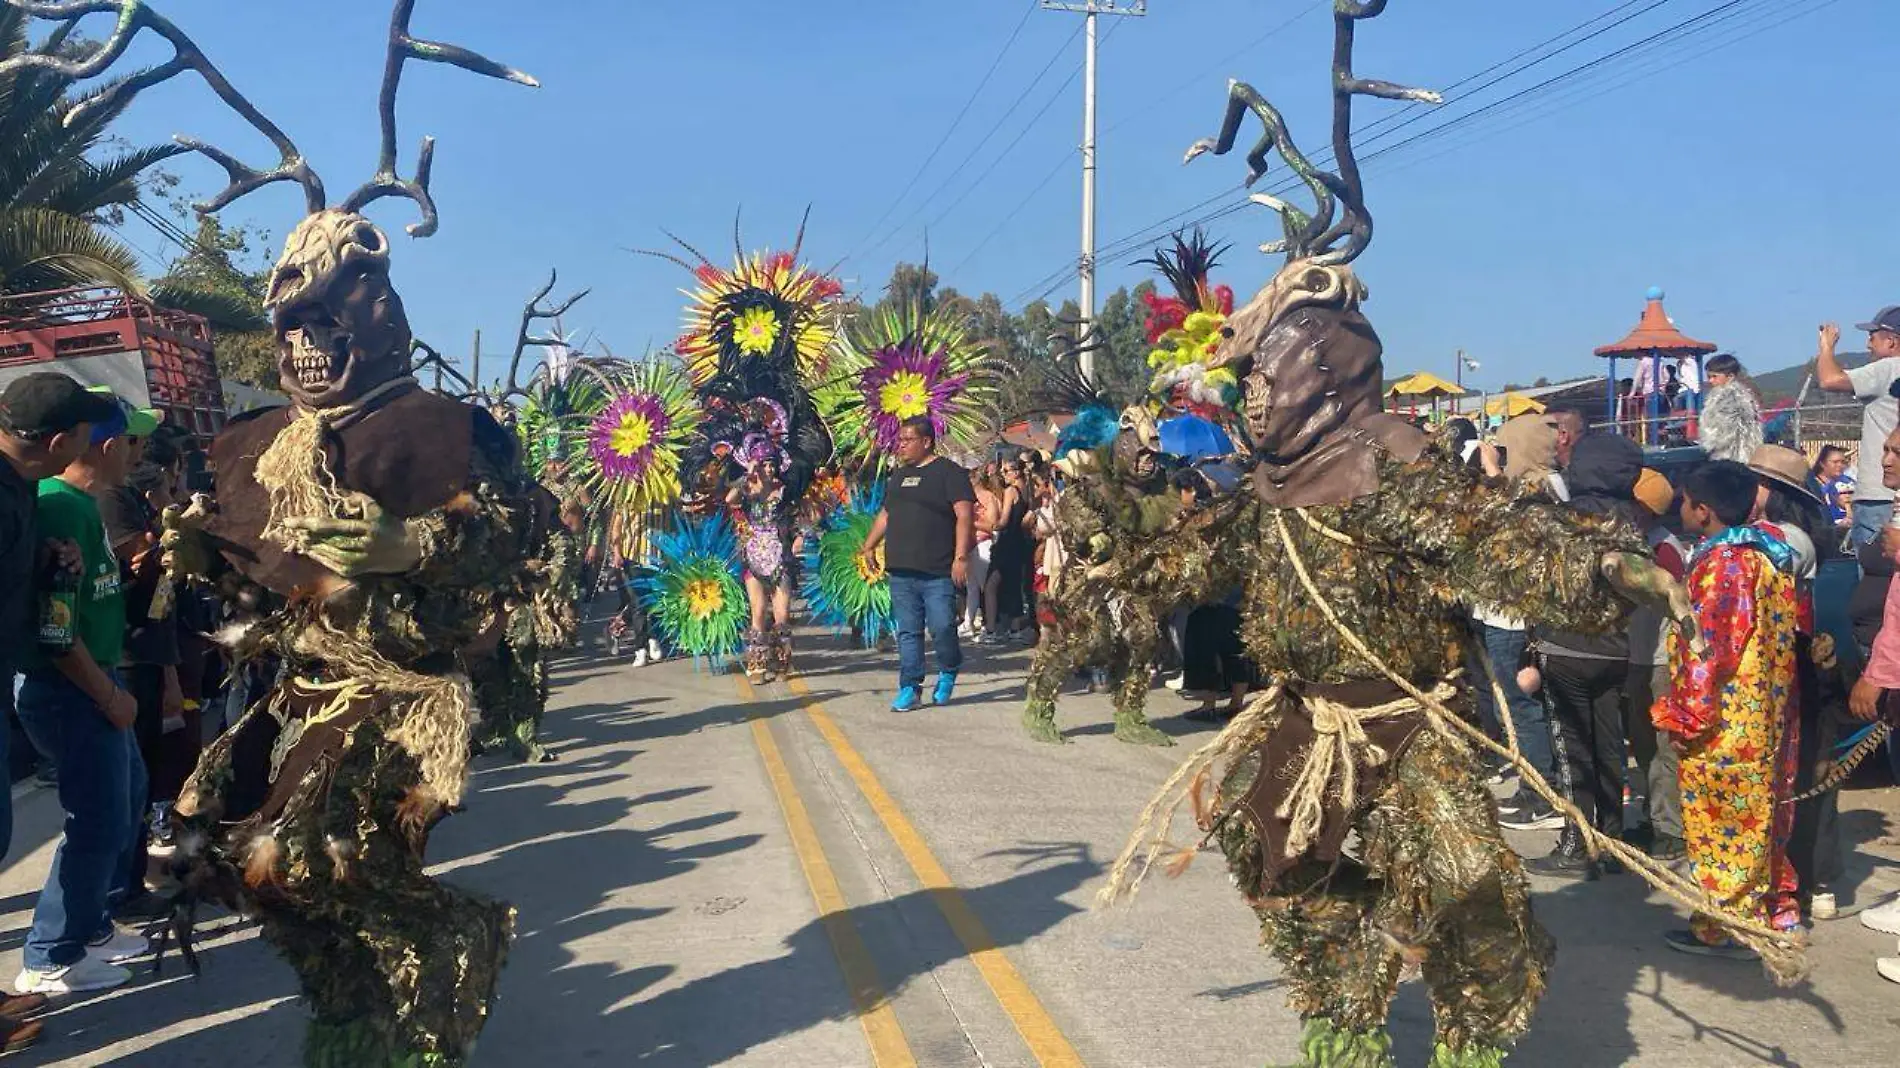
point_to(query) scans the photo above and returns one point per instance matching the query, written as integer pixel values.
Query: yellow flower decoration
(704, 597)
(632, 435)
(871, 568)
(755, 330)
(906, 395)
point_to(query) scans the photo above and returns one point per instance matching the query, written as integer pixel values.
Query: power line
(1236, 54)
(1674, 34)
(1017, 210)
(1372, 134)
(972, 154)
(1020, 134)
(955, 123)
(1578, 94)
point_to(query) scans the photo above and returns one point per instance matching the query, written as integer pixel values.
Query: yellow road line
(1039, 1031)
(881, 1029)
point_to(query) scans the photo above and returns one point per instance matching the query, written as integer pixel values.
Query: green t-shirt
(67, 512)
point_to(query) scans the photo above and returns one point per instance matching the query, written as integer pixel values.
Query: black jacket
(1601, 478)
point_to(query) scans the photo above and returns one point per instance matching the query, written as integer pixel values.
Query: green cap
(139, 422)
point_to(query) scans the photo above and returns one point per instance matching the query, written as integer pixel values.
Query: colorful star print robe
(1731, 707)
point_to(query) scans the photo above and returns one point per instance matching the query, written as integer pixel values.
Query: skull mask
(340, 327)
(1137, 447)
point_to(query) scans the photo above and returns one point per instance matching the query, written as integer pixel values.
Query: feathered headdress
(631, 425)
(766, 316)
(1184, 329)
(904, 363)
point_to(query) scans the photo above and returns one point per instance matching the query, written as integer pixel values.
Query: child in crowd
(1729, 700)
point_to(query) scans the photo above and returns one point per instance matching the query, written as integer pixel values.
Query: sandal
(18, 1034)
(20, 1006)
(1204, 714)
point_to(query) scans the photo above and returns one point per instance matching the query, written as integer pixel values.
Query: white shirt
(1687, 375)
(1871, 382)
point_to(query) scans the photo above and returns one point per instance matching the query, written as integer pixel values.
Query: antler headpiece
(137, 15)
(1318, 238)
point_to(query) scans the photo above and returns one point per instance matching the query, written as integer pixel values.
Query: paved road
(796, 878)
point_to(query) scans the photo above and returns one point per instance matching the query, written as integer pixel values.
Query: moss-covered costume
(321, 798)
(1432, 882)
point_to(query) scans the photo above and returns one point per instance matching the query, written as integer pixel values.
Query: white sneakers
(1883, 918)
(87, 974)
(1822, 906)
(1889, 968)
(640, 659)
(99, 969)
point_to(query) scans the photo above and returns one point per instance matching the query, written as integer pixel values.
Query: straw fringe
(296, 475)
(435, 713)
(1783, 953)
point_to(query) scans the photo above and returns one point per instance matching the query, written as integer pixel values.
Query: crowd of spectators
(107, 666)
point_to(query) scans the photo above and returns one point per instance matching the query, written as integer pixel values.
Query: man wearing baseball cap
(1870, 383)
(76, 711)
(46, 422)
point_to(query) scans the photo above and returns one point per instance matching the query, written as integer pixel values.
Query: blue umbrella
(1192, 437)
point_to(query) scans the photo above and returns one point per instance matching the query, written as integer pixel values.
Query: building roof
(1655, 333)
(1423, 384)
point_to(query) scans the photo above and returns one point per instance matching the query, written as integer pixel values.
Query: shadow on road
(714, 1019)
(1604, 972)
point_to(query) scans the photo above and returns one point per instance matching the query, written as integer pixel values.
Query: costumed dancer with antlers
(1370, 544)
(376, 529)
(508, 666)
(759, 336)
(1126, 544)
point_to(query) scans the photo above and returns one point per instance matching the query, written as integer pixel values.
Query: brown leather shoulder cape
(411, 455)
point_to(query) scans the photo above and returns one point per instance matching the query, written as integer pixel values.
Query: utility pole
(1089, 9)
(475, 363)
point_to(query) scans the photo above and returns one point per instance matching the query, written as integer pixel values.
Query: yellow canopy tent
(1512, 405)
(1422, 385)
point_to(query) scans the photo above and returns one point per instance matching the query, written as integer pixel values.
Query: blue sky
(1752, 180)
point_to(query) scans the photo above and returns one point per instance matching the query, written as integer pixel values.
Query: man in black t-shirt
(928, 527)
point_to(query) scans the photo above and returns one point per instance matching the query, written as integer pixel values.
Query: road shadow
(547, 837)
(1603, 969)
(600, 1012)
(240, 971)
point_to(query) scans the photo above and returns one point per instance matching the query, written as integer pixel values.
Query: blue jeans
(919, 601)
(1869, 518)
(102, 790)
(1506, 651)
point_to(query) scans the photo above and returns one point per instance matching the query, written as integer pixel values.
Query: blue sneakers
(908, 698)
(946, 685)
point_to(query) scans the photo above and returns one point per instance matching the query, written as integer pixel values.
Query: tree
(217, 278)
(53, 196)
(1121, 361)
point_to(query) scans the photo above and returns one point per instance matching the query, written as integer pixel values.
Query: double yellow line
(888, 1045)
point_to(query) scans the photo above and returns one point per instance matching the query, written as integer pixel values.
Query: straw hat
(1654, 492)
(1786, 466)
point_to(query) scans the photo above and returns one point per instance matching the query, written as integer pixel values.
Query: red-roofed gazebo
(1654, 340)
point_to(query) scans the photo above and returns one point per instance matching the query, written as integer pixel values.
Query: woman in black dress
(1009, 553)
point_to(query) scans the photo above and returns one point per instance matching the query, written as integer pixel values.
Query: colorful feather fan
(690, 588)
(840, 590)
(903, 363)
(629, 426)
